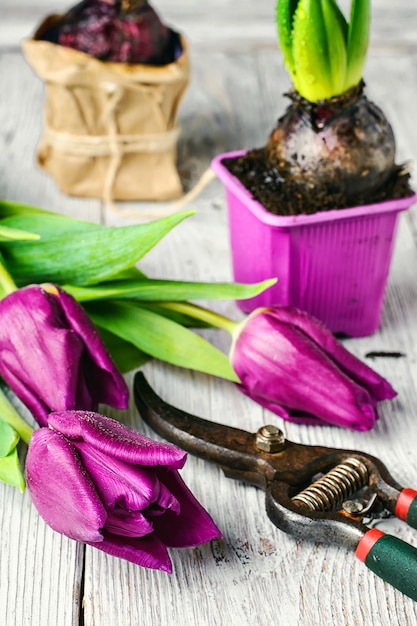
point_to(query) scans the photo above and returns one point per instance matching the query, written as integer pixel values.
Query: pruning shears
(312, 492)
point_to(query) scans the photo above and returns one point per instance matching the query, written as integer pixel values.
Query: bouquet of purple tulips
(62, 353)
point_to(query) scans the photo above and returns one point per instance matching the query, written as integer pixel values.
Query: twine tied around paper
(115, 145)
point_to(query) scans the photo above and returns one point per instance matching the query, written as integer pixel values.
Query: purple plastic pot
(332, 264)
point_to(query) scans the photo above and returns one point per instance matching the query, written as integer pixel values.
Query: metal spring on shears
(331, 490)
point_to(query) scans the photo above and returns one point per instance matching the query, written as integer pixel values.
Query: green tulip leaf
(132, 273)
(182, 318)
(11, 471)
(152, 290)
(23, 214)
(10, 234)
(9, 208)
(8, 439)
(87, 257)
(161, 338)
(47, 226)
(125, 355)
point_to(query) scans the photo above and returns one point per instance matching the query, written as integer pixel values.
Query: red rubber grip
(367, 543)
(405, 500)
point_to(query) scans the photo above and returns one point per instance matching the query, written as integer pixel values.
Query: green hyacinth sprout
(323, 52)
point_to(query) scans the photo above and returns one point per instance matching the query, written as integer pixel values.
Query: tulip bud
(101, 483)
(52, 356)
(288, 362)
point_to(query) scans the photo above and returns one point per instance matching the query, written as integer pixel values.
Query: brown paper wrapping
(110, 129)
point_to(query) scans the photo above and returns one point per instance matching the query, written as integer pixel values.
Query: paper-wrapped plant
(119, 74)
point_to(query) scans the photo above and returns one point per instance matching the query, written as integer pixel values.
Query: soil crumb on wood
(382, 353)
(281, 197)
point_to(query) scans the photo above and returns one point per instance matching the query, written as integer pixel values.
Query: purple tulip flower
(291, 364)
(103, 484)
(51, 354)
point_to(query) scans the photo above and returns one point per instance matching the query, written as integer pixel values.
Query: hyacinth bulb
(344, 147)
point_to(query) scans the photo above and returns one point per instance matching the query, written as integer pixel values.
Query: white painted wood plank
(255, 574)
(40, 571)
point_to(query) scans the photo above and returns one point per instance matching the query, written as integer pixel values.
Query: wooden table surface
(256, 574)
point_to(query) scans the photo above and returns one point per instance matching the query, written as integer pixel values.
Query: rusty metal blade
(235, 450)
(232, 448)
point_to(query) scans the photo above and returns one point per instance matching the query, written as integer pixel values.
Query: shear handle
(390, 558)
(406, 507)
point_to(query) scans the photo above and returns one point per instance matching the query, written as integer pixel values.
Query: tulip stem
(9, 415)
(7, 284)
(202, 314)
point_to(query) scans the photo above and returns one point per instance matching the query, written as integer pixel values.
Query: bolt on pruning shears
(309, 489)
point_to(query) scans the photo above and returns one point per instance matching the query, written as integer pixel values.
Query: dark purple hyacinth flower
(291, 364)
(110, 31)
(101, 483)
(52, 356)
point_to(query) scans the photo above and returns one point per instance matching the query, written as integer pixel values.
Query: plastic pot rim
(236, 187)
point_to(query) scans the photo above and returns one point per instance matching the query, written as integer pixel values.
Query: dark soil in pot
(282, 197)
